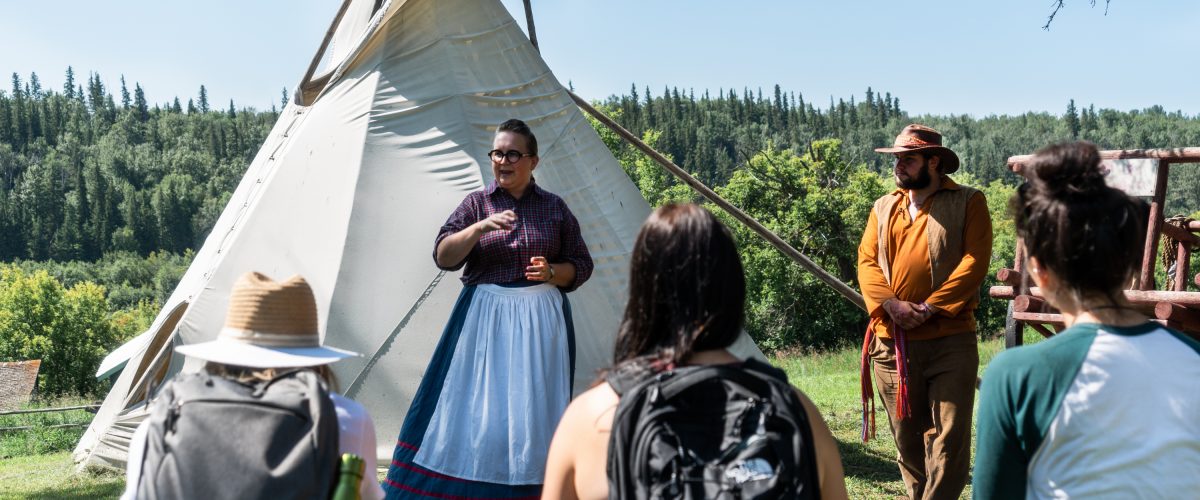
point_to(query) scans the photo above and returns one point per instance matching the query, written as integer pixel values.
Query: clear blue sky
(937, 56)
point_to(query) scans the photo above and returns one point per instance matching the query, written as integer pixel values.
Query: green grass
(831, 380)
(53, 476)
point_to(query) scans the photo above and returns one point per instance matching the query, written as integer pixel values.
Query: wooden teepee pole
(529, 24)
(712, 196)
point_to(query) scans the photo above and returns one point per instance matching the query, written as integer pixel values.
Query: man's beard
(921, 181)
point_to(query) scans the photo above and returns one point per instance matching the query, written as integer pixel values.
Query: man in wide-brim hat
(923, 256)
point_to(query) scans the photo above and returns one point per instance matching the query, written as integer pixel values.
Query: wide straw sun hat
(270, 324)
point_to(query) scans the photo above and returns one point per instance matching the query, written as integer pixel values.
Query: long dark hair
(1088, 234)
(687, 290)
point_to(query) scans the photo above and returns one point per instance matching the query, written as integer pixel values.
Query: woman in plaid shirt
(481, 421)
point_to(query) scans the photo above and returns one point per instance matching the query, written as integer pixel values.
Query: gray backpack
(214, 438)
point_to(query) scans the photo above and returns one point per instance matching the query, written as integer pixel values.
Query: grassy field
(53, 476)
(831, 381)
(34, 465)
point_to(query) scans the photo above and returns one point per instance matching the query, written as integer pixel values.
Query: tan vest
(947, 216)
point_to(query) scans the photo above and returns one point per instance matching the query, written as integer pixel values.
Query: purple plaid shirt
(545, 227)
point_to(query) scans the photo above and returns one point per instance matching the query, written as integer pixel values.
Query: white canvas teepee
(350, 188)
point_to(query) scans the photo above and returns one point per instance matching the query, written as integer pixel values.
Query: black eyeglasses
(511, 155)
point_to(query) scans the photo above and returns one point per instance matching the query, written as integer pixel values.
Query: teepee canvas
(351, 186)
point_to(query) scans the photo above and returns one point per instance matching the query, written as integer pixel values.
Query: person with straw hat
(924, 254)
(270, 338)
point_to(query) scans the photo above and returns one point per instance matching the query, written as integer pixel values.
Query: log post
(1038, 318)
(1008, 276)
(1151, 297)
(1187, 319)
(1042, 330)
(1028, 303)
(1146, 278)
(1182, 266)
(1019, 266)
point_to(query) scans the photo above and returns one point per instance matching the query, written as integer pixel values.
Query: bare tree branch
(1058, 5)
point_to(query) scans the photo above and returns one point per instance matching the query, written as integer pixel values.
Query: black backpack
(712, 431)
(215, 438)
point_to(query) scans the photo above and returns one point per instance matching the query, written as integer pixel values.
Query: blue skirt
(509, 353)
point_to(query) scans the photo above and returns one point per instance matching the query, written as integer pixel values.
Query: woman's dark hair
(687, 290)
(1088, 234)
(520, 128)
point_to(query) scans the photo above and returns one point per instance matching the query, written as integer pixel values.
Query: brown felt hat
(269, 324)
(919, 138)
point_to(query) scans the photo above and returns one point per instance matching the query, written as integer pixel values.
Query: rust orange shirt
(911, 275)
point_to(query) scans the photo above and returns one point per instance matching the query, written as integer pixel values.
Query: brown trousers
(934, 443)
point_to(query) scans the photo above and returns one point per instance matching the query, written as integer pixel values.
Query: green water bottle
(350, 475)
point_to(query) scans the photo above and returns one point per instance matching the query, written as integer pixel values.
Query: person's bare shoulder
(594, 409)
(575, 467)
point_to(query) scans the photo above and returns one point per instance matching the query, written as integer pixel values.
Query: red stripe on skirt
(452, 497)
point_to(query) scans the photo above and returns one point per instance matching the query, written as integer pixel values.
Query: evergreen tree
(95, 93)
(203, 100)
(232, 110)
(69, 85)
(6, 127)
(33, 93)
(1089, 123)
(1072, 119)
(139, 103)
(175, 108)
(35, 87)
(125, 99)
(20, 122)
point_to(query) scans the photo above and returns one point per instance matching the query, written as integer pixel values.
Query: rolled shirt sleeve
(574, 250)
(467, 213)
(871, 282)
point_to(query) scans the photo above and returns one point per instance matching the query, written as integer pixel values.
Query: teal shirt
(1072, 379)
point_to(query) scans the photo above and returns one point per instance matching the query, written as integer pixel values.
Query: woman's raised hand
(498, 221)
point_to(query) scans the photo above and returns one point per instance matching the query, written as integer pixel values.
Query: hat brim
(235, 353)
(949, 157)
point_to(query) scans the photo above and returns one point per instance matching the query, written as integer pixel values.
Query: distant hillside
(714, 133)
(83, 173)
(117, 191)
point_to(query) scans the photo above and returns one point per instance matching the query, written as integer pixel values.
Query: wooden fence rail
(49, 410)
(28, 427)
